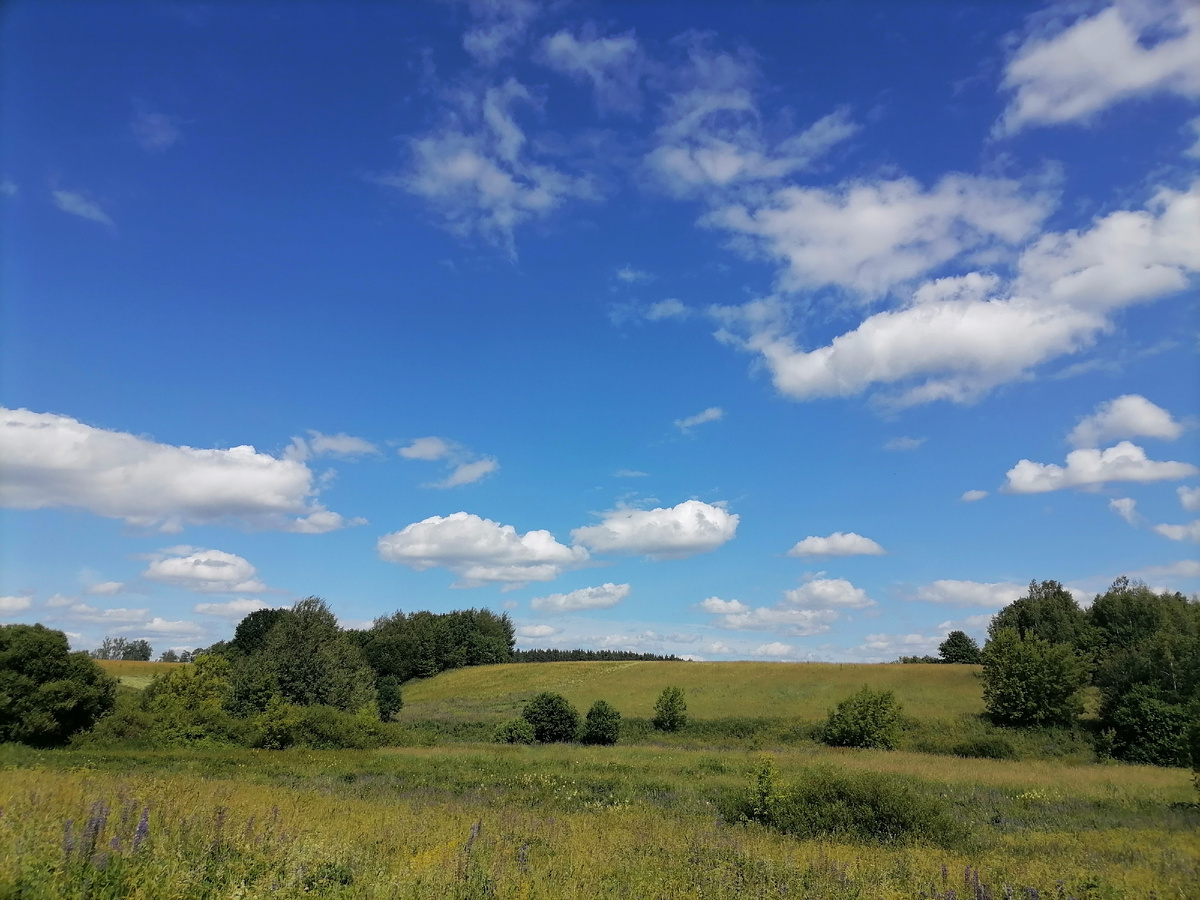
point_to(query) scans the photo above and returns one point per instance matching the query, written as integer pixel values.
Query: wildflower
(143, 829)
(69, 838)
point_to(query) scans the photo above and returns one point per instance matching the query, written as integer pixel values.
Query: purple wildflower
(143, 829)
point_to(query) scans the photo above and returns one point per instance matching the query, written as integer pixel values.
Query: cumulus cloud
(827, 593)
(537, 631)
(689, 528)
(991, 595)
(1185, 568)
(205, 571)
(972, 496)
(232, 609)
(710, 139)
(155, 132)
(478, 172)
(775, 648)
(341, 445)
(807, 610)
(880, 645)
(1088, 467)
(712, 414)
(611, 65)
(48, 460)
(165, 628)
(1189, 498)
(958, 337)
(837, 544)
(105, 588)
(82, 612)
(11, 605)
(1189, 532)
(1104, 59)
(466, 466)
(1126, 508)
(602, 597)
(480, 551)
(79, 205)
(1130, 415)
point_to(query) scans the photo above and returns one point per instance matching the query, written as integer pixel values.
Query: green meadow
(454, 815)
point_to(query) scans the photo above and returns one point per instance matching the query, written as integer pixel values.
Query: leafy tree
(1029, 681)
(866, 718)
(250, 636)
(390, 701)
(48, 693)
(168, 656)
(314, 663)
(138, 651)
(602, 724)
(515, 731)
(553, 718)
(1049, 611)
(187, 703)
(960, 647)
(670, 710)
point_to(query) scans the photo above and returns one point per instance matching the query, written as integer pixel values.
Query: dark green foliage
(515, 731)
(867, 807)
(250, 636)
(1144, 728)
(1049, 611)
(1029, 681)
(866, 718)
(390, 701)
(48, 693)
(168, 656)
(921, 660)
(670, 710)
(252, 686)
(534, 656)
(316, 728)
(422, 644)
(602, 724)
(553, 718)
(314, 663)
(960, 647)
(121, 648)
(986, 748)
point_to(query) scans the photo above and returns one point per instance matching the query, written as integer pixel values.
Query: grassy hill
(135, 674)
(713, 690)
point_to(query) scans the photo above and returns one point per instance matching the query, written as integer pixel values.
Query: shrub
(602, 725)
(865, 806)
(48, 693)
(553, 718)
(985, 748)
(1146, 729)
(316, 728)
(1028, 681)
(515, 731)
(865, 719)
(670, 711)
(960, 647)
(390, 701)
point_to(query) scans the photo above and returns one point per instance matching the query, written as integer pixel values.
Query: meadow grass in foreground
(567, 821)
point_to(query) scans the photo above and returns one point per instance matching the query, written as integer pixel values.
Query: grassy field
(134, 674)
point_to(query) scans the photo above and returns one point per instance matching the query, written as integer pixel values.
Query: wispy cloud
(78, 205)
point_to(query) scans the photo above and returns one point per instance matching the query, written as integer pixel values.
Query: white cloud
(498, 28)
(871, 237)
(1104, 59)
(686, 529)
(718, 647)
(479, 550)
(537, 631)
(602, 597)
(81, 612)
(904, 443)
(78, 205)
(343, 446)
(155, 132)
(710, 139)
(205, 571)
(1130, 415)
(10, 606)
(901, 644)
(1185, 568)
(991, 595)
(105, 588)
(773, 649)
(612, 65)
(48, 460)
(1126, 508)
(630, 473)
(712, 414)
(1194, 150)
(666, 309)
(1084, 468)
(9, 188)
(630, 275)
(58, 600)
(1189, 498)
(469, 472)
(826, 594)
(429, 448)
(467, 467)
(233, 609)
(972, 496)
(807, 610)
(477, 170)
(837, 544)
(958, 337)
(1189, 532)
(158, 626)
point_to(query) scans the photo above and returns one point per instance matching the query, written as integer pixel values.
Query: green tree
(314, 663)
(866, 718)
(390, 701)
(670, 710)
(1049, 611)
(138, 651)
(250, 636)
(187, 703)
(48, 693)
(168, 656)
(1029, 681)
(960, 647)
(602, 724)
(553, 718)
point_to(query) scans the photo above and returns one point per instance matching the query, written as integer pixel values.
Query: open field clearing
(564, 821)
(133, 673)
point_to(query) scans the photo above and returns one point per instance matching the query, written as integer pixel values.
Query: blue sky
(790, 331)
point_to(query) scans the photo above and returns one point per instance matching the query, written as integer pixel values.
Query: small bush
(1146, 729)
(670, 711)
(390, 700)
(515, 731)
(866, 806)
(866, 719)
(602, 725)
(553, 718)
(1028, 681)
(985, 748)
